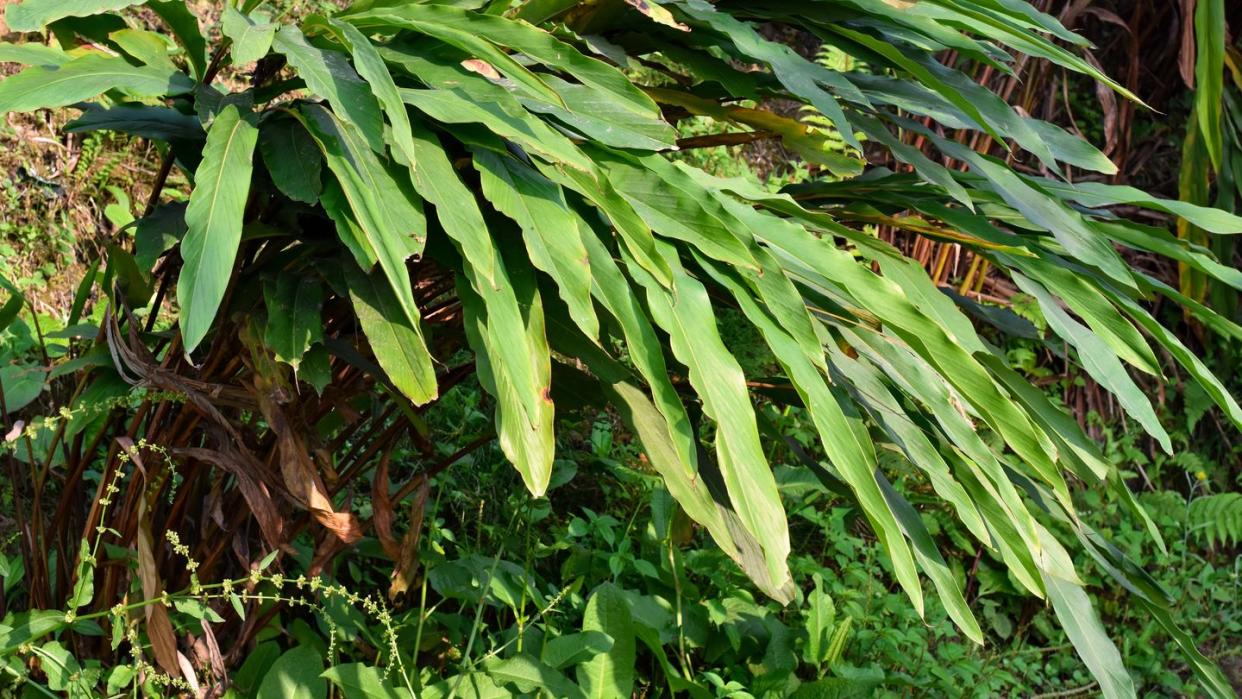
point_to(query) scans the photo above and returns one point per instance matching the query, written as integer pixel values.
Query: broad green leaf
(571, 649)
(27, 627)
(611, 673)
(84, 578)
(34, 15)
(293, 320)
(296, 674)
(157, 233)
(214, 221)
(359, 681)
(251, 37)
(147, 121)
(292, 159)
(13, 305)
(61, 667)
(31, 53)
(85, 77)
(396, 340)
(317, 368)
(148, 48)
(821, 615)
(529, 675)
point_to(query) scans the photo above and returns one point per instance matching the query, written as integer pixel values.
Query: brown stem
(723, 139)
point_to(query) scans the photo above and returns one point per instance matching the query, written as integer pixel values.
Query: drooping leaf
(387, 213)
(397, 342)
(551, 231)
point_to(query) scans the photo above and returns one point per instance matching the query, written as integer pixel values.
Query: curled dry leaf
(381, 509)
(299, 472)
(407, 561)
(244, 467)
(657, 13)
(476, 65)
(159, 626)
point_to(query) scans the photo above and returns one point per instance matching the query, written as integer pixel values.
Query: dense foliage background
(831, 360)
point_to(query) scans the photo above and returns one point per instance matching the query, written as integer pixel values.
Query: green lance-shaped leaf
(932, 562)
(551, 231)
(509, 121)
(1081, 292)
(85, 77)
(293, 321)
(214, 220)
(397, 342)
(844, 438)
(328, 74)
(504, 324)
(387, 212)
(1067, 226)
(609, 674)
(456, 208)
(251, 38)
(34, 15)
(467, 41)
(1097, 194)
(450, 24)
(370, 66)
(925, 76)
(1081, 623)
(801, 77)
(1211, 27)
(1098, 360)
(688, 317)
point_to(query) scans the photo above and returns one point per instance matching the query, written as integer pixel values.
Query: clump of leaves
(400, 185)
